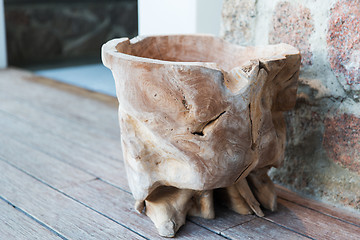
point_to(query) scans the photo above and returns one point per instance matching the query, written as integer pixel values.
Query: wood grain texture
(86, 137)
(41, 165)
(56, 147)
(91, 187)
(194, 119)
(75, 105)
(63, 214)
(312, 224)
(177, 115)
(105, 198)
(16, 225)
(260, 229)
(224, 219)
(333, 211)
(118, 205)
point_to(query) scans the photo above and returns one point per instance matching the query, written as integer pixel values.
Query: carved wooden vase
(196, 114)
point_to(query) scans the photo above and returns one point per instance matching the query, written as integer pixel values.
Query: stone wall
(43, 31)
(323, 149)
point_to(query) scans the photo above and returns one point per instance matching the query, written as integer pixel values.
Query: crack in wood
(207, 124)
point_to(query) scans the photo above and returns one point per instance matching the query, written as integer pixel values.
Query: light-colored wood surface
(63, 215)
(16, 225)
(194, 120)
(62, 176)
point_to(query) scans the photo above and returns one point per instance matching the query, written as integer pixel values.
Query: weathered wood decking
(61, 176)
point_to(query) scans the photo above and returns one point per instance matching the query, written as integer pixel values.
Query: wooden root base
(248, 194)
(192, 118)
(168, 207)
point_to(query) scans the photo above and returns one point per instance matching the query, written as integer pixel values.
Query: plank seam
(113, 185)
(58, 159)
(237, 225)
(95, 176)
(34, 219)
(74, 199)
(326, 214)
(287, 228)
(217, 233)
(104, 181)
(59, 136)
(58, 116)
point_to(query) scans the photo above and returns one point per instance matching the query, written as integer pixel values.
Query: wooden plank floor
(62, 177)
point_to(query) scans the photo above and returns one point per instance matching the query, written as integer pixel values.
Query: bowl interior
(197, 48)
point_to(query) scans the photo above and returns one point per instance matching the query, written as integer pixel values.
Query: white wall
(209, 16)
(3, 58)
(179, 16)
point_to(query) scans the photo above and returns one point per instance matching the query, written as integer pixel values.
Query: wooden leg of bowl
(167, 207)
(245, 191)
(236, 202)
(246, 196)
(203, 205)
(263, 188)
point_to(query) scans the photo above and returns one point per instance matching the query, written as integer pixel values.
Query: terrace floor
(62, 177)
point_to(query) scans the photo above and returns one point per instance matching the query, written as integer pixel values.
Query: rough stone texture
(307, 168)
(343, 41)
(293, 24)
(342, 140)
(238, 20)
(42, 32)
(322, 152)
